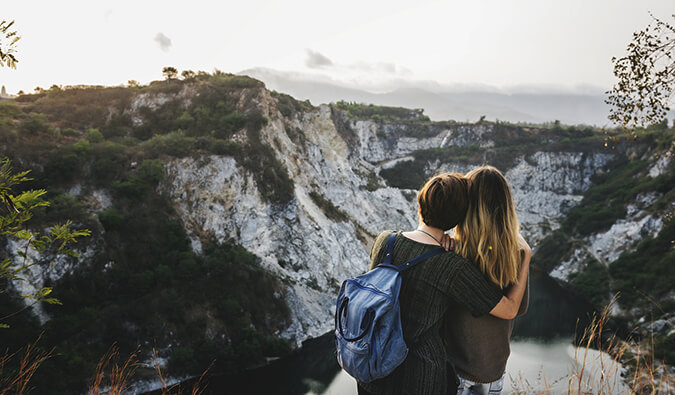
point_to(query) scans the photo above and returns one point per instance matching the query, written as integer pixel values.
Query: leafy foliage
(593, 282)
(381, 113)
(646, 77)
(169, 72)
(329, 209)
(8, 40)
(552, 250)
(288, 105)
(144, 282)
(19, 209)
(270, 174)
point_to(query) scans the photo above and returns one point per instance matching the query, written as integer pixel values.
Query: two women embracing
(457, 308)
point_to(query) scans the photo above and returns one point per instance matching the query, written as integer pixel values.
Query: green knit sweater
(427, 291)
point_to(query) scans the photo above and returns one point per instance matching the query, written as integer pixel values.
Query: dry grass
(114, 377)
(176, 388)
(16, 380)
(607, 365)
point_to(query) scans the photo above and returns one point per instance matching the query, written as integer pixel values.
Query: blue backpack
(368, 332)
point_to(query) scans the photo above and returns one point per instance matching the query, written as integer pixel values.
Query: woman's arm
(508, 306)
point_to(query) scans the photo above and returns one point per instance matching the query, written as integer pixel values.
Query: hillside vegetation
(144, 286)
(101, 152)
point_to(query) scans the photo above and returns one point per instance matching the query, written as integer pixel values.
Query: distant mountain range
(447, 103)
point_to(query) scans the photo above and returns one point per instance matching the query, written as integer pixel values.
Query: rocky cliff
(350, 172)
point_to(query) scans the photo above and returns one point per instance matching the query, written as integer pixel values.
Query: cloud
(316, 60)
(163, 41)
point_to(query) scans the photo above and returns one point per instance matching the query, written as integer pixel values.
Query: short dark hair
(444, 200)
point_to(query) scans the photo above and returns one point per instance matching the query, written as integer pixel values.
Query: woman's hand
(447, 242)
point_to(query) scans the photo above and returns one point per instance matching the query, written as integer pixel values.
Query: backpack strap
(389, 253)
(426, 255)
(390, 249)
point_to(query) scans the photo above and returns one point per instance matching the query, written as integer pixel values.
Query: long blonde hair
(489, 233)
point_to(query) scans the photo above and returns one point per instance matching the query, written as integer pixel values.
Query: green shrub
(110, 162)
(272, 179)
(381, 113)
(84, 106)
(288, 105)
(141, 181)
(329, 209)
(226, 80)
(217, 146)
(63, 205)
(69, 132)
(9, 113)
(118, 125)
(175, 144)
(552, 250)
(593, 283)
(168, 87)
(111, 219)
(65, 164)
(93, 135)
(212, 113)
(33, 124)
(406, 174)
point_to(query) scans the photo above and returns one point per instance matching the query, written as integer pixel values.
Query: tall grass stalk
(16, 380)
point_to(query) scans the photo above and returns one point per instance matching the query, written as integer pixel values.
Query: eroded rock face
(546, 185)
(297, 241)
(339, 159)
(606, 247)
(313, 253)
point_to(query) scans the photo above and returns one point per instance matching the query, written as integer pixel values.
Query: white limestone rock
(661, 165)
(546, 185)
(41, 267)
(607, 246)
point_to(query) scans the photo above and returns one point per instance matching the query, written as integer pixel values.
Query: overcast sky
(499, 43)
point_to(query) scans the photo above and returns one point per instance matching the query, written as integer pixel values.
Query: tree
(15, 211)
(133, 84)
(8, 40)
(646, 77)
(169, 72)
(188, 75)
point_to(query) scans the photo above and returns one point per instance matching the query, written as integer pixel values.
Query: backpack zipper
(371, 289)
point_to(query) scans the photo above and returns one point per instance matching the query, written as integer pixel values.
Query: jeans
(467, 387)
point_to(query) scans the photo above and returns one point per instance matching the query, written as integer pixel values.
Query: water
(534, 367)
(542, 355)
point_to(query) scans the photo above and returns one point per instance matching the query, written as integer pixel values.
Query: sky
(502, 44)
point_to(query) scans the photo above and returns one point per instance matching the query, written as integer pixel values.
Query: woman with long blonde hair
(478, 347)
